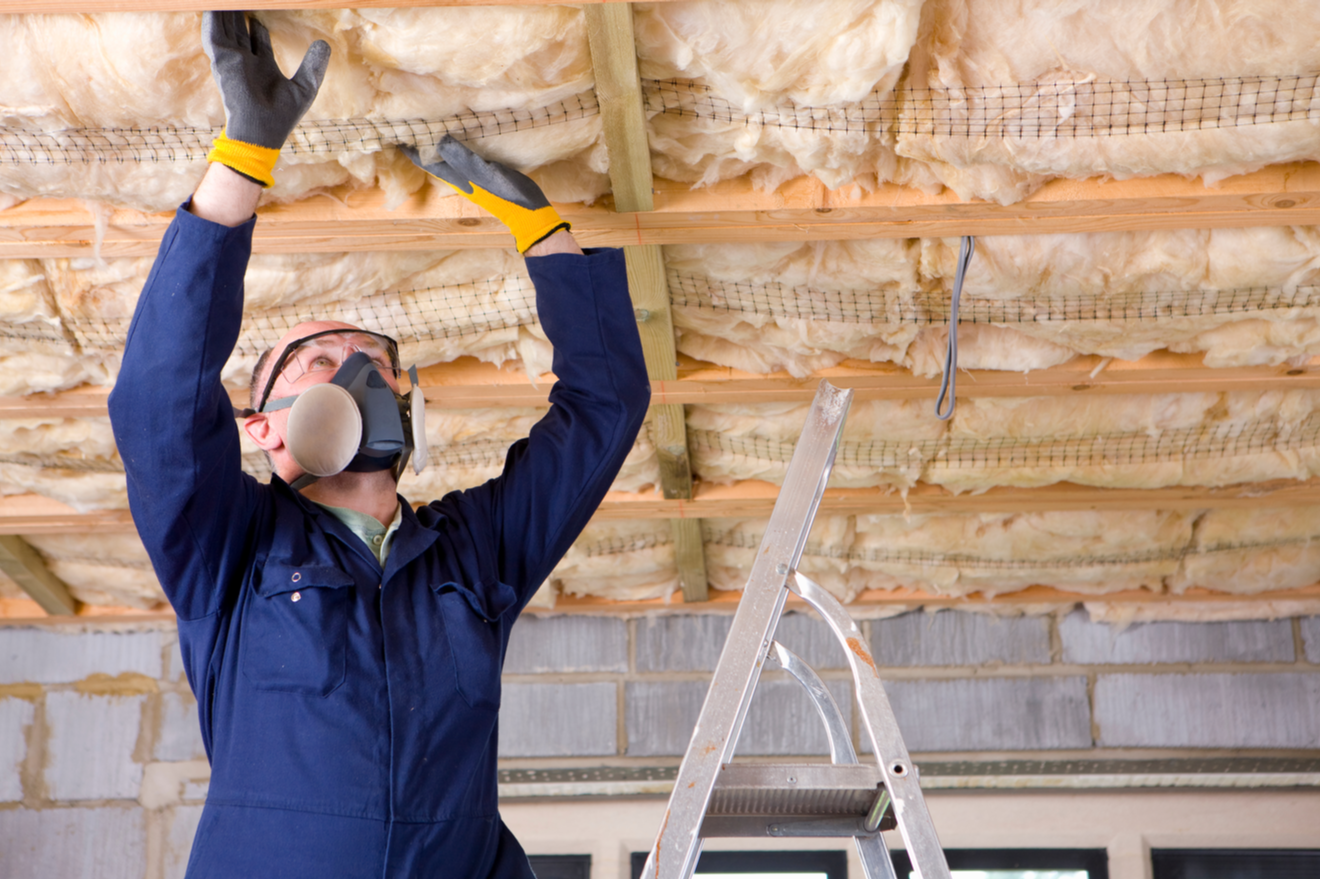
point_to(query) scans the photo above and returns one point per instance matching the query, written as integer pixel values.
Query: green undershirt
(376, 536)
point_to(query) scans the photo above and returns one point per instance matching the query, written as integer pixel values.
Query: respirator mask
(355, 421)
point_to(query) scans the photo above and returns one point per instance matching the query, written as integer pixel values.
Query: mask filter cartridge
(324, 430)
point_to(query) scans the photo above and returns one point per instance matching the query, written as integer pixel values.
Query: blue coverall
(350, 713)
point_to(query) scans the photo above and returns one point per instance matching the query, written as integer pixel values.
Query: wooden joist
(619, 92)
(36, 6)
(731, 211)
(751, 499)
(26, 568)
(470, 384)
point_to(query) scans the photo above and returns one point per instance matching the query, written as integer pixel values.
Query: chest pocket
(474, 644)
(295, 629)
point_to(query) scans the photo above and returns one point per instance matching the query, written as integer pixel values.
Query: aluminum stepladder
(713, 797)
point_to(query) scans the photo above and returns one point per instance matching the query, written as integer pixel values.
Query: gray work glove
(513, 197)
(261, 105)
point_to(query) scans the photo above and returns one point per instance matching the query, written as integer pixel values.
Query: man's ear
(262, 432)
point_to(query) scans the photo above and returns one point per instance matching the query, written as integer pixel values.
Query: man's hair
(255, 385)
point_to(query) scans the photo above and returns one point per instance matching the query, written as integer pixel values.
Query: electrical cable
(949, 382)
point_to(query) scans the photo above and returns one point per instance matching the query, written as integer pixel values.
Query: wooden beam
(83, 6)
(619, 93)
(731, 211)
(26, 568)
(755, 499)
(33, 514)
(470, 384)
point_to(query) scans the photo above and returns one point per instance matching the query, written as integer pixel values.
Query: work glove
(261, 106)
(514, 198)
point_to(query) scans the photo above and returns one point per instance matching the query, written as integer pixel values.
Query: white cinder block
(567, 644)
(178, 842)
(15, 716)
(975, 714)
(91, 742)
(959, 638)
(77, 842)
(681, 642)
(1247, 710)
(51, 657)
(180, 738)
(554, 720)
(1240, 641)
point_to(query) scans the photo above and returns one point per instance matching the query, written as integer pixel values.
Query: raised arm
(172, 418)
(527, 518)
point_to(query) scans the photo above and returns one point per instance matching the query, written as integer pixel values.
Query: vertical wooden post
(619, 92)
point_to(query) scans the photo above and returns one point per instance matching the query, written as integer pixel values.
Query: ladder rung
(791, 826)
(842, 790)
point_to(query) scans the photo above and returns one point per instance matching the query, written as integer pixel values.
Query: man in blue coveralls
(345, 650)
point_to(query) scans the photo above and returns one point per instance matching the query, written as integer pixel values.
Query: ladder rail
(678, 844)
(896, 767)
(870, 848)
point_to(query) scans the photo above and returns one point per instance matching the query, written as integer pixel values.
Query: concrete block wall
(102, 771)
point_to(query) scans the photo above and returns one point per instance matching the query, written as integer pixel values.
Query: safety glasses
(325, 352)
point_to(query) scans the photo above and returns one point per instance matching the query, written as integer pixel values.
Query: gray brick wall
(993, 714)
(1245, 710)
(89, 719)
(1240, 641)
(1311, 638)
(567, 644)
(955, 638)
(90, 842)
(547, 720)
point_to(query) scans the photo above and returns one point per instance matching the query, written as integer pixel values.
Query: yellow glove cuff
(528, 227)
(249, 160)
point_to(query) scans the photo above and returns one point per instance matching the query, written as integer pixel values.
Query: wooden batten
(470, 384)
(730, 211)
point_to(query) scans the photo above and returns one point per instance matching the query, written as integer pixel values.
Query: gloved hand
(514, 198)
(261, 106)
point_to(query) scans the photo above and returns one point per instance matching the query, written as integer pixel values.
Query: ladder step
(793, 800)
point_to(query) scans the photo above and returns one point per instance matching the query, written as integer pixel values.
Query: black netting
(418, 314)
(751, 540)
(881, 306)
(327, 137)
(1055, 109)
(1120, 449)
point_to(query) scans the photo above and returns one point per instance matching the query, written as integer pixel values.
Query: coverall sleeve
(173, 421)
(555, 478)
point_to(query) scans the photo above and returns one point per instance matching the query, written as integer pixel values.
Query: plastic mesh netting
(879, 306)
(751, 540)
(415, 314)
(1052, 109)
(1202, 442)
(21, 146)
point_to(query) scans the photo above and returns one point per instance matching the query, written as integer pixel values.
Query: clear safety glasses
(325, 352)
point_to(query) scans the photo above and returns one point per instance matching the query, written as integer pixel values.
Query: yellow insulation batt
(1118, 441)
(1002, 95)
(83, 118)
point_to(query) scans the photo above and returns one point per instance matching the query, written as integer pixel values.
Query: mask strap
(281, 403)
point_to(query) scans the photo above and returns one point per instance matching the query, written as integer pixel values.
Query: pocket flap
(283, 577)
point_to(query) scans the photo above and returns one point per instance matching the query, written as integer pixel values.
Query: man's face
(311, 363)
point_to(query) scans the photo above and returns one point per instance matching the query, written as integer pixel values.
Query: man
(344, 650)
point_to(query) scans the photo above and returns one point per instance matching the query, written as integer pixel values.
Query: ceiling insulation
(990, 98)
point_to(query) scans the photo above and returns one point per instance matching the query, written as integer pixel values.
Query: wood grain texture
(26, 568)
(619, 93)
(30, 6)
(468, 384)
(731, 211)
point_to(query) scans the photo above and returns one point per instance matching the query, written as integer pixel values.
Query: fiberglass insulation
(395, 76)
(991, 98)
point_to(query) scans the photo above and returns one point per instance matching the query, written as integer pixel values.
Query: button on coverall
(350, 713)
